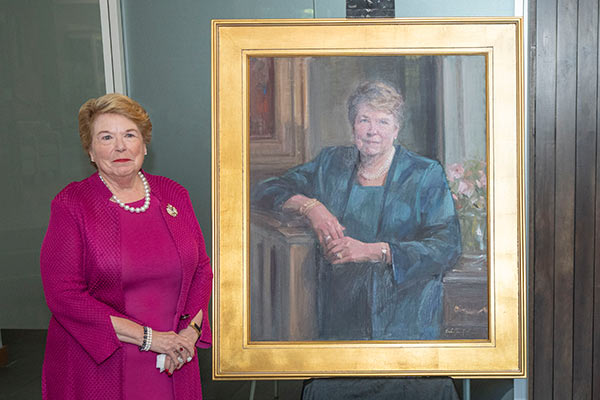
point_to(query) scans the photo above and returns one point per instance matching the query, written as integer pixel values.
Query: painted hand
(325, 225)
(347, 249)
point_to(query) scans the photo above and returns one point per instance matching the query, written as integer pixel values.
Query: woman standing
(125, 271)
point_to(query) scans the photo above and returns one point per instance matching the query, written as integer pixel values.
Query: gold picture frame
(287, 130)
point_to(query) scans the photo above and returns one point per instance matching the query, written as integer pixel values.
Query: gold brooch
(171, 210)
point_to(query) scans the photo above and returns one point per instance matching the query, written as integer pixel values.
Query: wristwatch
(384, 255)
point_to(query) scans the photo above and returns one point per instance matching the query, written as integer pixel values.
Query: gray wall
(454, 8)
(50, 63)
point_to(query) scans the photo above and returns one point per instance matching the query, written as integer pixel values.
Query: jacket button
(184, 316)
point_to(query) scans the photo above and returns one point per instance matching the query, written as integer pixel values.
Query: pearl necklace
(379, 172)
(125, 206)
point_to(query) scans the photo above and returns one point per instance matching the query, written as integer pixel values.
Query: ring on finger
(327, 238)
(180, 359)
(338, 255)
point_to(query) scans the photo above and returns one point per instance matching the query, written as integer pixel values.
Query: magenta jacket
(81, 274)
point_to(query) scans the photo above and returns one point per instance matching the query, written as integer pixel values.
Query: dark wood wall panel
(543, 199)
(587, 95)
(565, 192)
(564, 213)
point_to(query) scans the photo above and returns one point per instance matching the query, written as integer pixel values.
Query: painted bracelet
(309, 205)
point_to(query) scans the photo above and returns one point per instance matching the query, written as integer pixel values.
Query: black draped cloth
(380, 389)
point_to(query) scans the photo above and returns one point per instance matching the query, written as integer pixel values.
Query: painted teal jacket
(418, 220)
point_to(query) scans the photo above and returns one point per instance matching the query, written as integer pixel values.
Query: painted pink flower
(466, 188)
(455, 171)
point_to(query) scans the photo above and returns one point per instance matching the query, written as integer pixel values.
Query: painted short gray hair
(380, 96)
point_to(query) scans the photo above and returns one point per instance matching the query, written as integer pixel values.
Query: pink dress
(151, 284)
(81, 267)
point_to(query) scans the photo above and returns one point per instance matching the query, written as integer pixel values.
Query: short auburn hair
(112, 103)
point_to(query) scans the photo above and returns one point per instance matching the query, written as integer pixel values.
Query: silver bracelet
(147, 343)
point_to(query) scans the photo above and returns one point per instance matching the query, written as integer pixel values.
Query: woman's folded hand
(325, 225)
(178, 348)
(347, 249)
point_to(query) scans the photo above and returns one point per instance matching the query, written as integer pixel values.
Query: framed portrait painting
(368, 198)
